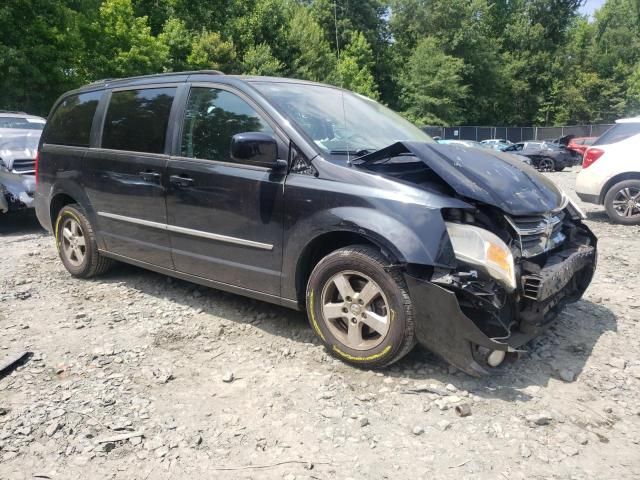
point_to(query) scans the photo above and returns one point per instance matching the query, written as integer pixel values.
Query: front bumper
(16, 191)
(443, 327)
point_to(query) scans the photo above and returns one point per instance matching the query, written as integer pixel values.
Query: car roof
(189, 76)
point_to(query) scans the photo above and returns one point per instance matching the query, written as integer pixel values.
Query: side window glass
(71, 123)
(212, 117)
(137, 120)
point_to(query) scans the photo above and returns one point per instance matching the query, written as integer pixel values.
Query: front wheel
(622, 202)
(360, 309)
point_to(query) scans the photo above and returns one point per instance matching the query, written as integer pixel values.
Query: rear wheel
(622, 202)
(76, 243)
(360, 310)
(546, 164)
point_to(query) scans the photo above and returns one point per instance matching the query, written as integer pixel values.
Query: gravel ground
(135, 375)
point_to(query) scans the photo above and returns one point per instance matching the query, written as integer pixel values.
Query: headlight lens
(483, 249)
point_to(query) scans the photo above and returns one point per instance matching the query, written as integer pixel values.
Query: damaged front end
(466, 314)
(522, 252)
(16, 191)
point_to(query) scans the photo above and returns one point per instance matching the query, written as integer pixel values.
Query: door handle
(180, 181)
(150, 176)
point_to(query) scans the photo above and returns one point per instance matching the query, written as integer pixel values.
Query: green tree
(122, 44)
(177, 39)
(310, 55)
(355, 67)
(433, 91)
(210, 51)
(40, 50)
(260, 61)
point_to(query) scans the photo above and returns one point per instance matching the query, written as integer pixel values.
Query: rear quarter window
(137, 120)
(70, 123)
(618, 133)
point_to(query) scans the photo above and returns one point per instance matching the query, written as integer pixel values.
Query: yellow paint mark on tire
(362, 359)
(316, 327)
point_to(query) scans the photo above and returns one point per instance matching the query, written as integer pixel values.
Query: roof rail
(14, 112)
(166, 74)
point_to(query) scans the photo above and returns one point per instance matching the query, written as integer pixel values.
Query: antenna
(335, 22)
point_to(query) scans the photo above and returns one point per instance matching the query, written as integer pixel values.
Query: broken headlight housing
(484, 250)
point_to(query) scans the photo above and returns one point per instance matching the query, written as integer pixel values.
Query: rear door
(125, 178)
(225, 218)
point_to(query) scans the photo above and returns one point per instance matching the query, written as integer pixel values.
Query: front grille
(531, 286)
(24, 165)
(536, 234)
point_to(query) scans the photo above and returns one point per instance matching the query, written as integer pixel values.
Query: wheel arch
(621, 177)
(328, 242)
(57, 203)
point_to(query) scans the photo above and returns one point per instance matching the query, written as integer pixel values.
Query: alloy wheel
(74, 244)
(626, 203)
(355, 310)
(545, 165)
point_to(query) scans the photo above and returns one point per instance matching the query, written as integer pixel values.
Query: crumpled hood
(484, 175)
(18, 143)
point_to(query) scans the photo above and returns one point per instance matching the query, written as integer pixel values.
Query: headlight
(481, 248)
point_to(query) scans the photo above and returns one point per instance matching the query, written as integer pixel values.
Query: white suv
(610, 174)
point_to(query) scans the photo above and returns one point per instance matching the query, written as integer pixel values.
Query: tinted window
(137, 120)
(618, 133)
(71, 123)
(212, 117)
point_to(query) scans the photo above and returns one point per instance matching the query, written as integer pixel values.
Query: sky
(591, 6)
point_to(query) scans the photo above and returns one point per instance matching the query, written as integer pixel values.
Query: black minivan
(318, 199)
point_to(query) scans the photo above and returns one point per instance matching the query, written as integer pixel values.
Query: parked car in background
(464, 143)
(19, 137)
(610, 174)
(318, 199)
(496, 143)
(545, 156)
(581, 144)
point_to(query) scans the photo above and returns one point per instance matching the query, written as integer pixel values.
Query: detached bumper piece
(444, 328)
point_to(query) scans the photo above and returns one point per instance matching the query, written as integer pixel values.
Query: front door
(224, 218)
(125, 180)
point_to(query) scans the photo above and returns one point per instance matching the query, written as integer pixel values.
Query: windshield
(22, 123)
(338, 121)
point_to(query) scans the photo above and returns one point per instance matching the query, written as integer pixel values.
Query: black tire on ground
(89, 263)
(392, 302)
(559, 166)
(545, 164)
(619, 192)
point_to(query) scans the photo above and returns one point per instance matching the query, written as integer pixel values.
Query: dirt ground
(135, 375)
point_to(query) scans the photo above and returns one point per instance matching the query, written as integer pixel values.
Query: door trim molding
(188, 231)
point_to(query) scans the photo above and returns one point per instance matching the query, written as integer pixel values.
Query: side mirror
(255, 148)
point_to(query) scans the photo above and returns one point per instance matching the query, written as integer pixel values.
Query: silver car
(19, 137)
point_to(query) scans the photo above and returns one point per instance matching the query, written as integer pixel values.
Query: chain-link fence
(515, 134)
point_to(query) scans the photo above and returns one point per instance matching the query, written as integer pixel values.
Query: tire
(546, 164)
(619, 198)
(380, 319)
(558, 167)
(76, 244)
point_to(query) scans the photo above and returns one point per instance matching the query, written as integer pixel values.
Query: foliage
(355, 67)
(517, 62)
(432, 87)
